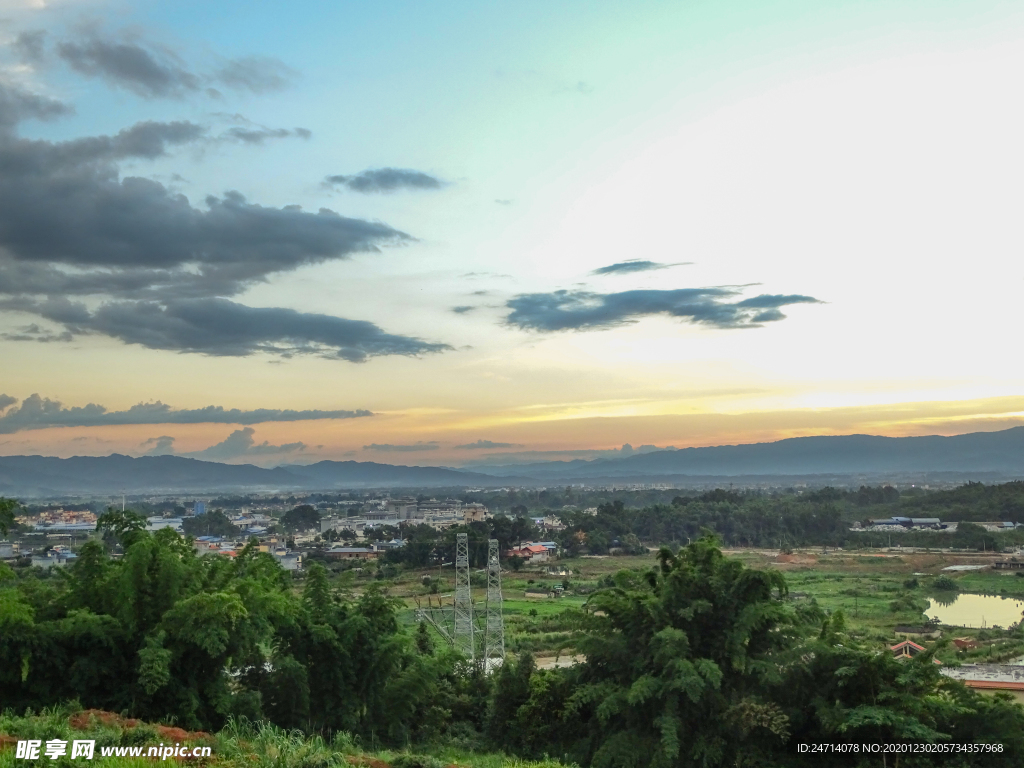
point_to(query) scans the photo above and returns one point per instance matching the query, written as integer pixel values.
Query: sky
(467, 233)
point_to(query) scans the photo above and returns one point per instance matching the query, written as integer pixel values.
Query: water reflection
(976, 611)
(945, 598)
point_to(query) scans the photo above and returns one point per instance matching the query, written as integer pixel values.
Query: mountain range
(987, 452)
(106, 475)
(983, 455)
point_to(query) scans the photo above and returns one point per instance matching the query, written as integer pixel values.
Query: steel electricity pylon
(478, 634)
(494, 624)
(463, 605)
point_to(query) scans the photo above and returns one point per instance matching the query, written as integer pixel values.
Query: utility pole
(463, 607)
(494, 627)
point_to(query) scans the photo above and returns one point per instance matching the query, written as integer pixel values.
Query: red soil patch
(85, 719)
(82, 720)
(8, 742)
(799, 559)
(171, 734)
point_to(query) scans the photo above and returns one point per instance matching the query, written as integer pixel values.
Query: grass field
(878, 590)
(875, 589)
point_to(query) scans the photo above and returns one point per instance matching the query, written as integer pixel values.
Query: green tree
(841, 693)
(674, 655)
(301, 518)
(7, 509)
(510, 692)
(212, 523)
(124, 526)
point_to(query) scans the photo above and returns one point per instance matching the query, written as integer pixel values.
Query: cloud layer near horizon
(37, 412)
(485, 444)
(431, 445)
(238, 444)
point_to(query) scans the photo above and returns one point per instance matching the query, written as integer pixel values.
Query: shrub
(140, 736)
(415, 761)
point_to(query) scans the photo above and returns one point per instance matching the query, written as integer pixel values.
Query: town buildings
(535, 551)
(439, 515)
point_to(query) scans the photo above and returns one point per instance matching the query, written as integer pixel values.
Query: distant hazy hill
(47, 475)
(50, 476)
(984, 453)
(1001, 452)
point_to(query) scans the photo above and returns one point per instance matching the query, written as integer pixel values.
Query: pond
(976, 611)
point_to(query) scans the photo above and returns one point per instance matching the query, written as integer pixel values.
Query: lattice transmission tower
(478, 634)
(494, 623)
(463, 605)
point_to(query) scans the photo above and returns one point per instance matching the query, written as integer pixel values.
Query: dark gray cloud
(33, 332)
(385, 180)
(583, 310)
(63, 202)
(17, 278)
(17, 105)
(258, 74)
(145, 70)
(223, 328)
(635, 265)
(480, 444)
(246, 131)
(260, 135)
(70, 226)
(146, 140)
(151, 70)
(389, 448)
(774, 300)
(30, 46)
(241, 443)
(461, 310)
(37, 412)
